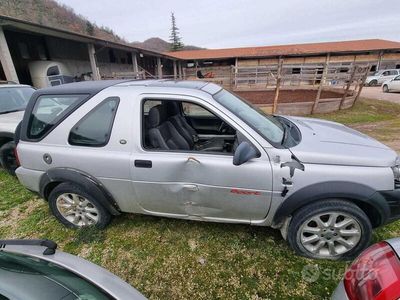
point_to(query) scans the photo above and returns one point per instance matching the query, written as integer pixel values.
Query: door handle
(191, 187)
(139, 163)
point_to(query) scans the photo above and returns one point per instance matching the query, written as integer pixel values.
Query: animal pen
(297, 89)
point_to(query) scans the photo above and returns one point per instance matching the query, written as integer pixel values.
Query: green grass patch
(364, 111)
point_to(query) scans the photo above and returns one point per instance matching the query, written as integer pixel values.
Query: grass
(176, 259)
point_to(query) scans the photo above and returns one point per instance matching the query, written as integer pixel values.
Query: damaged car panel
(192, 150)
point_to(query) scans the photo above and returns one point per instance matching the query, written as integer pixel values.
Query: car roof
(11, 85)
(94, 87)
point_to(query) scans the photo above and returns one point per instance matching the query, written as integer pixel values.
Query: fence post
(362, 83)
(353, 73)
(278, 85)
(321, 83)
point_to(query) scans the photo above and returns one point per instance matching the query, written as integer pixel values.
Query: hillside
(53, 14)
(159, 45)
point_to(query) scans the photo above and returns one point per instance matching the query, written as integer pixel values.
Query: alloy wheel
(77, 209)
(330, 234)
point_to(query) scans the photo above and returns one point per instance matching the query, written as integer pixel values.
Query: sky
(240, 23)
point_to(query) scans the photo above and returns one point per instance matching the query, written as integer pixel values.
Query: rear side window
(48, 111)
(94, 129)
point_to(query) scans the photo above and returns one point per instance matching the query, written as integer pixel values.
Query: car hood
(369, 78)
(8, 122)
(326, 142)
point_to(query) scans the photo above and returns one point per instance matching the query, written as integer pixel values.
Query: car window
(266, 125)
(191, 109)
(94, 130)
(386, 73)
(48, 111)
(393, 72)
(26, 277)
(14, 98)
(149, 104)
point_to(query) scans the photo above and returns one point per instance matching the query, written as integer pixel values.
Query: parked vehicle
(392, 85)
(193, 150)
(374, 275)
(13, 100)
(381, 76)
(45, 73)
(34, 270)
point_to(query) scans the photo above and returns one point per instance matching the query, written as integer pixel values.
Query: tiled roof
(299, 49)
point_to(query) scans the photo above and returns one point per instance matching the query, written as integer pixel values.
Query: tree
(176, 43)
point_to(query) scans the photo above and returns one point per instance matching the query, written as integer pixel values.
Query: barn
(27, 47)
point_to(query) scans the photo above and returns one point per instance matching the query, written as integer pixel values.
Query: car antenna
(50, 245)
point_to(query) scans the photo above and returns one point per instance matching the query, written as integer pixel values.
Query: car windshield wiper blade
(10, 111)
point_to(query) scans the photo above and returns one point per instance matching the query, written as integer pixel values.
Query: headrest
(172, 108)
(156, 115)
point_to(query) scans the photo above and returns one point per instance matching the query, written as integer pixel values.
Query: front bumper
(392, 199)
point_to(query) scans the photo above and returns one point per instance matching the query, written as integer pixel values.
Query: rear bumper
(29, 178)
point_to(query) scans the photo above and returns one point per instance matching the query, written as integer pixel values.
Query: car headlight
(396, 169)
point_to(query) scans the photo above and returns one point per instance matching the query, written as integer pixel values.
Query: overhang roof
(288, 50)
(10, 22)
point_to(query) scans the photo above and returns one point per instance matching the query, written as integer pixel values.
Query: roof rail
(50, 245)
(7, 82)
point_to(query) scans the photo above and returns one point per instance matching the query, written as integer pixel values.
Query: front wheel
(330, 229)
(385, 89)
(74, 207)
(7, 158)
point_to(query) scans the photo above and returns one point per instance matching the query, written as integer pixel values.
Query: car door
(385, 76)
(203, 185)
(395, 84)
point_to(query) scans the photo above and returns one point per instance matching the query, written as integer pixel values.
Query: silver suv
(192, 150)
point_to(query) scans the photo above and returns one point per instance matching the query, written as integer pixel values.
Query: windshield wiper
(10, 111)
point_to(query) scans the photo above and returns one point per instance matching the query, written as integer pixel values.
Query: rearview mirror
(244, 152)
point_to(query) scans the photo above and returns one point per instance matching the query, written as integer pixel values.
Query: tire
(385, 89)
(373, 82)
(303, 229)
(65, 193)
(7, 158)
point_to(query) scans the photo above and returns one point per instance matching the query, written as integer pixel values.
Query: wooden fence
(345, 79)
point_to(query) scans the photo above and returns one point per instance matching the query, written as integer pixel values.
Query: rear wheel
(75, 207)
(373, 82)
(329, 229)
(385, 89)
(7, 158)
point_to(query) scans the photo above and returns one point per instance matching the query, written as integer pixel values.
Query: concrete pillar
(159, 68)
(6, 59)
(175, 70)
(180, 70)
(378, 65)
(93, 63)
(135, 63)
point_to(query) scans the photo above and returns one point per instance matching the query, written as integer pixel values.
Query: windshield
(14, 98)
(378, 73)
(266, 125)
(25, 277)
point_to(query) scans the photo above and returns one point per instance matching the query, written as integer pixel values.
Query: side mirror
(244, 152)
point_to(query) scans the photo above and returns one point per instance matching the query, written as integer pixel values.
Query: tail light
(374, 275)
(16, 156)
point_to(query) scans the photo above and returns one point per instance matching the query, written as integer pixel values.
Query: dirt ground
(377, 93)
(285, 96)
